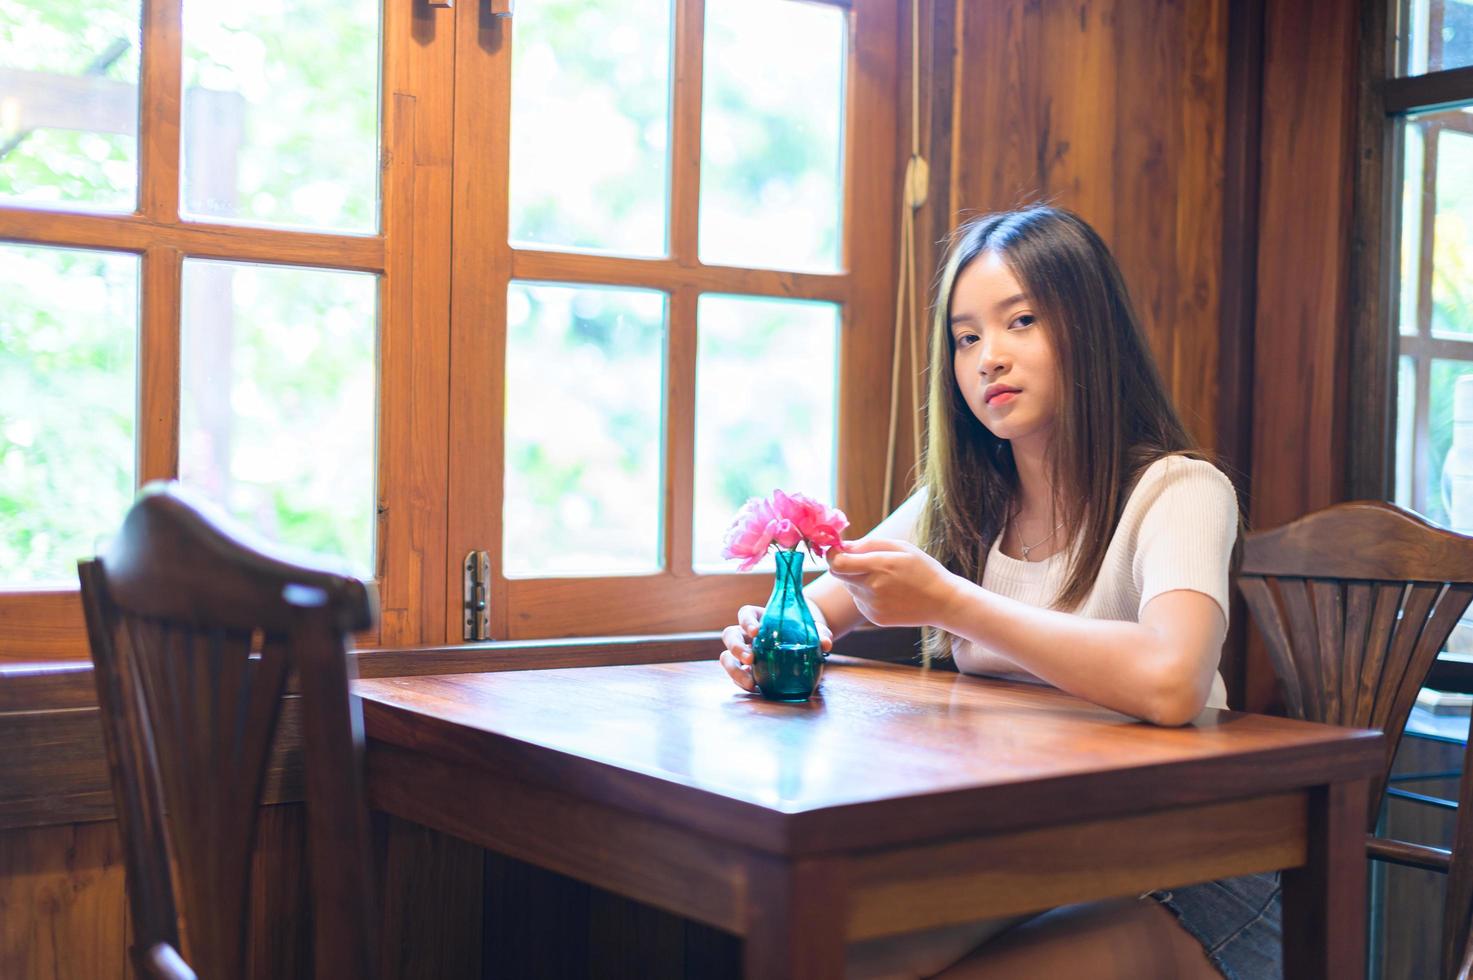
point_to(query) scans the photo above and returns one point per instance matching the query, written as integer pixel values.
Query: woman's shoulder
(1176, 474)
(1181, 468)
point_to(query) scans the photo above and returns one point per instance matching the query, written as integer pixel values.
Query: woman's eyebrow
(959, 318)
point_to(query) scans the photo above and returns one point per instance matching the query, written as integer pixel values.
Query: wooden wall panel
(939, 68)
(1301, 344)
(430, 899)
(62, 908)
(1115, 110)
(1300, 378)
(543, 924)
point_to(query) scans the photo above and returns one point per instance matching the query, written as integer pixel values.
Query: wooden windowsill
(47, 685)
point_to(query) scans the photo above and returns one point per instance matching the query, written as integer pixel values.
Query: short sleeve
(1188, 527)
(903, 520)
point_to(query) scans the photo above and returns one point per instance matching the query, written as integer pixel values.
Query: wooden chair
(1355, 601)
(193, 633)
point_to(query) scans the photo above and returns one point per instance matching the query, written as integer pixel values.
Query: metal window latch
(476, 593)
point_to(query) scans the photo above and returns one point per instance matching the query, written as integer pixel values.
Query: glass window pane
(1413, 183)
(281, 112)
(1452, 497)
(278, 404)
(584, 430)
(1438, 33)
(772, 135)
(766, 374)
(69, 103)
(1452, 251)
(1406, 406)
(68, 391)
(590, 125)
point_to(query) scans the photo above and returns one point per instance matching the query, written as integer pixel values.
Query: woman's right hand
(736, 659)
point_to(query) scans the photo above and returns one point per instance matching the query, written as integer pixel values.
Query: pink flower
(785, 520)
(751, 532)
(819, 524)
(786, 533)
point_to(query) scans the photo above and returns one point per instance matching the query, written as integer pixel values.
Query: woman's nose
(993, 358)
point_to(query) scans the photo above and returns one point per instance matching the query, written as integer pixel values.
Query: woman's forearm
(1130, 667)
(832, 599)
(833, 603)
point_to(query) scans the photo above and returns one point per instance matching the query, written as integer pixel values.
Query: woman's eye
(966, 340)
(1026, 320)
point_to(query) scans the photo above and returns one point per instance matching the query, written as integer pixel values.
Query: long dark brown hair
(1114, 416)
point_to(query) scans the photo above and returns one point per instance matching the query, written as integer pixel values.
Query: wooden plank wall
(1115, 109)
(1301, 391)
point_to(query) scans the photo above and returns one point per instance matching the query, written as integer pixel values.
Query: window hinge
(476, 592)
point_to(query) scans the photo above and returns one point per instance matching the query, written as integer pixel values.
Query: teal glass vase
(786, 659)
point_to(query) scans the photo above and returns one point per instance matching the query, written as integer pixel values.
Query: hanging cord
(907, 313)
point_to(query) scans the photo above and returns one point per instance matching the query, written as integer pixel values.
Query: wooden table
(899, 799)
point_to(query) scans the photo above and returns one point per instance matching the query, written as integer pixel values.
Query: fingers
(825, 639)
(871, 545)
(740, 674)
(851, 577)
(849, 564)
(735, 641)
(749, 618)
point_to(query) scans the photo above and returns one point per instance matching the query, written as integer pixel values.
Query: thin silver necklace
(1025, 548)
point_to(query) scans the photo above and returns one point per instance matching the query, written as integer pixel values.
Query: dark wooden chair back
(1354, 603)
(193, 633)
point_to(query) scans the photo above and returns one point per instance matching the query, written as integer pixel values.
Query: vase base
(791, 698)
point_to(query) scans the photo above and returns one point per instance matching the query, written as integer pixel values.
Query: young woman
(1065, 532)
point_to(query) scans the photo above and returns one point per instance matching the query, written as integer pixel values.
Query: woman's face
(1004, 362)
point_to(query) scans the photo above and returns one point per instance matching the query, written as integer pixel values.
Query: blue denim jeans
(1238, 921)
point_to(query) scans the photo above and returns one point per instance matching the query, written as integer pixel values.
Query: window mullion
(157, 436)
(1443, 348)
(1427, 240)
(160, 99)
(680, 434)
(685, 141)
(480, 259)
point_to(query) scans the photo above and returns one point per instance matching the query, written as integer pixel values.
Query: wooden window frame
(442, 320)
(1424, 346)
(1376, 343)
(677, 598)
(410, 258)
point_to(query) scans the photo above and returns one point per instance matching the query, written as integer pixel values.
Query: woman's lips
(1002, 398)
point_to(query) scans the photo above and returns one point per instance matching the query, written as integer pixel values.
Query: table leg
(795, 920)
(1325, 900)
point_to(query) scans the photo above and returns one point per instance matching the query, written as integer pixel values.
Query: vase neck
(790, 572)
(790, 566)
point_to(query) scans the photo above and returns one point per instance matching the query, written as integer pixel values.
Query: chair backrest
(193, 632)
(1354, 603)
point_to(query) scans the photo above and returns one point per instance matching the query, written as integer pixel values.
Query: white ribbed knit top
(1177, 532)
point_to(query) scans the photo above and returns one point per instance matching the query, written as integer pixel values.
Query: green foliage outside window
(72, 427)
(68, 332)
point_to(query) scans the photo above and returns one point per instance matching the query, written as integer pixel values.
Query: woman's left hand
(893, 583)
